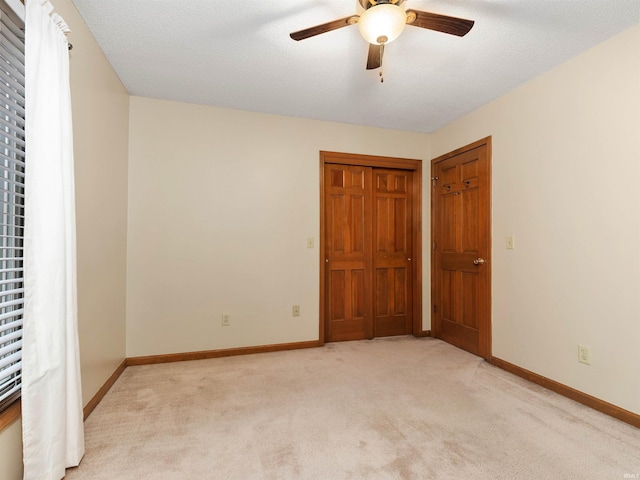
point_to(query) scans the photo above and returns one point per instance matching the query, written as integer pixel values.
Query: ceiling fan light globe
(382, 21)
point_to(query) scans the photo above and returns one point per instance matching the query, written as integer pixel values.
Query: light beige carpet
(396, 408)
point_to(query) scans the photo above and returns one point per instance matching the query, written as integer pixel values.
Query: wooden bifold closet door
(367, 248)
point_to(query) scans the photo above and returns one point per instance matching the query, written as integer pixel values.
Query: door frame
(416, 208)
(434, 327)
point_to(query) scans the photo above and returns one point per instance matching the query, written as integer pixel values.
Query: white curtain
(53, 436)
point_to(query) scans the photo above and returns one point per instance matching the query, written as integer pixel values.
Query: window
(12, 170)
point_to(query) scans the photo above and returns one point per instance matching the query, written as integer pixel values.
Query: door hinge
(434, 181)
(435, 245)
(435, 308)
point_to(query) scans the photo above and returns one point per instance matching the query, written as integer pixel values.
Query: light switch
(510, 242)
(310, 242)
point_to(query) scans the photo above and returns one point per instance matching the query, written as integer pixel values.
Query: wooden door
(369, 237)
(392, 252)
(348, 229)
(461, 234)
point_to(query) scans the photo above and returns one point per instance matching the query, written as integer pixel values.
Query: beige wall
(101, 141)
(221, 203)
(566, 183)
(11, 452)
(100, 115)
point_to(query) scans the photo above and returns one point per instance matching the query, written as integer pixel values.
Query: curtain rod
(70, 45)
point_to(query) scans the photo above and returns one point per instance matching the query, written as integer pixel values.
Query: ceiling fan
(383, 21)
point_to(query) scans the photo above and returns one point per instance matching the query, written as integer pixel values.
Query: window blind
(12, 170)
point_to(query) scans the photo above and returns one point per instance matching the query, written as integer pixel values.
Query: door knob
(478, 261)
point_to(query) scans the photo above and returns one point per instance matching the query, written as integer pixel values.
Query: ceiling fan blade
(440, 23)
(324, 28)
(375, 57)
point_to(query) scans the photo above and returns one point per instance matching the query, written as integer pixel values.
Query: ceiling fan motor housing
(370, 3)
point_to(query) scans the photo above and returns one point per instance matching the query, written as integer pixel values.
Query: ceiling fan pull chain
(381, 55)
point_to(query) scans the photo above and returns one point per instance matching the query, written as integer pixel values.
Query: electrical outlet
(295, 311)
(226, 320)
(584, 355)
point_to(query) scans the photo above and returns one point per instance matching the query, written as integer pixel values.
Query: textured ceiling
(238, 54)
